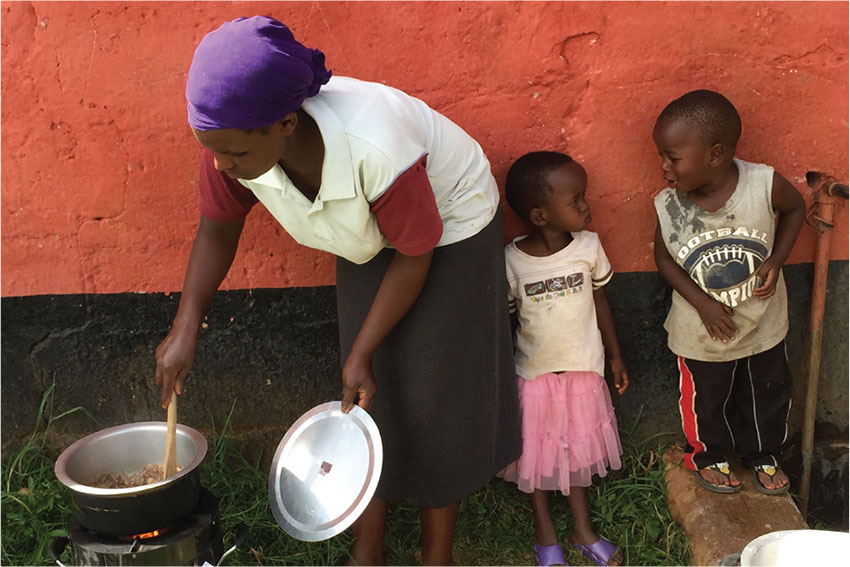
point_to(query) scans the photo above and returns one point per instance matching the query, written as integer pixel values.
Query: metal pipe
(821, 219)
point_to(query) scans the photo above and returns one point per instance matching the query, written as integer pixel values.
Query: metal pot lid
(325, 471)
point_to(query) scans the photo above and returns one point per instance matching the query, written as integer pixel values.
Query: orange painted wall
(99, 169)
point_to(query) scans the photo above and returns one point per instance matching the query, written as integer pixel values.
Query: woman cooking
(406, 201)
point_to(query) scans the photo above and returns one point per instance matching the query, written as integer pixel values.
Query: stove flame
(143, 537)
(146, 535)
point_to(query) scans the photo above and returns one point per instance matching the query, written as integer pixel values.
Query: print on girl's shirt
(535, 288)
(556, 284)
(575, 280)
(560, 286)
(726, 267)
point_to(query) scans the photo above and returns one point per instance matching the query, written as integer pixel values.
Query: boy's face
(566, 209)
(686, 159)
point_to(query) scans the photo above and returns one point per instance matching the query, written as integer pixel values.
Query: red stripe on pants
(689, 418)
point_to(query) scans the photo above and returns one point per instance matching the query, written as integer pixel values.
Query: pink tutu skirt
(569, 432)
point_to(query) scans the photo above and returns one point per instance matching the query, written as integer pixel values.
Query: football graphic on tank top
(724, 262)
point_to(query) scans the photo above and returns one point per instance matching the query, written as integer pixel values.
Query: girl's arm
(400, 287)
(716, 316)
(792, 211)
(212, 254)
(605, 320)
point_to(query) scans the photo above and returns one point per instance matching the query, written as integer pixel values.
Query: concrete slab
(722, 524)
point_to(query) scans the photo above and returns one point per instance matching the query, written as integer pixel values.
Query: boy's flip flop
(722, 468)
(600, 551)
(550, 554)
(770, 471)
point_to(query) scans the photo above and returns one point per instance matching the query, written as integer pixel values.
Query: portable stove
(194, 540)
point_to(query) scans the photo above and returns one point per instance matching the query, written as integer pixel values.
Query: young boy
(725, 228)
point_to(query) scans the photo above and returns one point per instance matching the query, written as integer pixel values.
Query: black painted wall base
(274, 354)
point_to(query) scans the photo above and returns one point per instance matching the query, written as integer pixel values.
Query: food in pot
(148, 475)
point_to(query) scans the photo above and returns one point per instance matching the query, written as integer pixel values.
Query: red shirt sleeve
(220, 197)
(407, 212)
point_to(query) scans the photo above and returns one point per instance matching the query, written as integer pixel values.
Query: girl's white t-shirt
(553, 299)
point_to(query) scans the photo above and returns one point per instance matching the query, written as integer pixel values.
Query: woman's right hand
(174, 358)
(212, 253)
(717, 318)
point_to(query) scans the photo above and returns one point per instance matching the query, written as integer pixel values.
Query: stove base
(193, 541)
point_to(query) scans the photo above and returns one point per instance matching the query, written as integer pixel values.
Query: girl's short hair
(526, 186)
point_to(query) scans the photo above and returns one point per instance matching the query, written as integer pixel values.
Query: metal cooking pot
(126, 449)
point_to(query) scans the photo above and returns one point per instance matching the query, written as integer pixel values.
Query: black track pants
(740, 405)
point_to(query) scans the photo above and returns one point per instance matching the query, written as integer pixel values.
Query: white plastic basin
(796, 547)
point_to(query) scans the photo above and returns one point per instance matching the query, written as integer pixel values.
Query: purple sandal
(599, 551)
(550, 554)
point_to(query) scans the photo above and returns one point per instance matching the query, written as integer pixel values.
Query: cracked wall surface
(99, 169)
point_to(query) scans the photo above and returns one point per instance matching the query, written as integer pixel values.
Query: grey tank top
(722, 251)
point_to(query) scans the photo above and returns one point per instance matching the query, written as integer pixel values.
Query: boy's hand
(621, 376)
(717, 318)
(769, 270)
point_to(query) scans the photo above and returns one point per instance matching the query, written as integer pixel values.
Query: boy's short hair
(526, 186)
(710, 113)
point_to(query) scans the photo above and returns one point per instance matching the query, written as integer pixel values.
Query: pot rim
(59, 468)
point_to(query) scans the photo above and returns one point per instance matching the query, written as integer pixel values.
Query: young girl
(555, 279)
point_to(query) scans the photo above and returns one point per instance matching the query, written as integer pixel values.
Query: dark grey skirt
(446, 403)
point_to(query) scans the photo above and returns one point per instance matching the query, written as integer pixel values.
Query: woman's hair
(711, 113)
(526, 186)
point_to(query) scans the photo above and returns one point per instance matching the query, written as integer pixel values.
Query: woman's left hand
(400, 287)
(357, 380)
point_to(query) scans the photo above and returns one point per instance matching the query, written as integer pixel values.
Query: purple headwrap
(250, 73)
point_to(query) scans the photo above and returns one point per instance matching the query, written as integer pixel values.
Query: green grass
(628, 507)
(495, 525)
(33, 503)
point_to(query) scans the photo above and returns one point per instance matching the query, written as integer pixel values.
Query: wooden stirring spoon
(171, 438)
